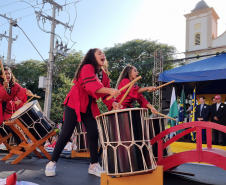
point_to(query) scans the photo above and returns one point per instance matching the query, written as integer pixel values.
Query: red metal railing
(209, 155)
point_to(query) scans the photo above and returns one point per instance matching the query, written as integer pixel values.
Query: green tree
(58, 97)
(102, 107)
(27, 73)
(68, 66)
(142, 51)
(64, 70)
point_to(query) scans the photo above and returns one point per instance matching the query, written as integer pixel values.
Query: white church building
(201, 32)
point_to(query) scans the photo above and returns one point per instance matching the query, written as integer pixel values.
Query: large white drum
(126, 148)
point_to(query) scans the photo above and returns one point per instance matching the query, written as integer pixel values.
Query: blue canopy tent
(208, 75)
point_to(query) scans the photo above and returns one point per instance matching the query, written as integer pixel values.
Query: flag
(193, 109)
(173, 107)
(193, 106)
(183, 111)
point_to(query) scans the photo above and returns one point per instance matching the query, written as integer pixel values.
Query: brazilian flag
(183, 111)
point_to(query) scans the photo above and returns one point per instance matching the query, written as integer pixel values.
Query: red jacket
(17, 92)
(88, 84)
(132, 95)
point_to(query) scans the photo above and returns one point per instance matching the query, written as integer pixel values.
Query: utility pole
(10, 39)
(52, 51)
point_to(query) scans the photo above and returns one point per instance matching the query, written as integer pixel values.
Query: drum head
(23, 109)
(119, 111)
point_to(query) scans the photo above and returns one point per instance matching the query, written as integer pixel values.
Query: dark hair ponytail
(124, 74)
(88, 59)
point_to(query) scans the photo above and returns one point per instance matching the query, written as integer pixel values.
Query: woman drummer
(12, 97)
(128, 74)
(90, 83)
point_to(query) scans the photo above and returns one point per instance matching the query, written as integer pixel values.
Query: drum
(81, 140)
(126, 149)
(154, 127)
(31, 116)
(4, 130)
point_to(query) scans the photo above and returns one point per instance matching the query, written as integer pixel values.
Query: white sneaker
(50, 169)
(95, 169)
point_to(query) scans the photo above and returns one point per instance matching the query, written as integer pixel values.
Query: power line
(22, 9)
(24, 16)
(5, 52)
(16, 25)
(68, 21)
(9, 4)
(4, 24)
(43, 11)
(32, 6)
(48, 10)
(73, 25)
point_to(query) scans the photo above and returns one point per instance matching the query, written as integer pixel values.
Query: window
(197, 39)
(198, 26)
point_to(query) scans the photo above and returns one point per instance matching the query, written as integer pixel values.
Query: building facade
(201, 33)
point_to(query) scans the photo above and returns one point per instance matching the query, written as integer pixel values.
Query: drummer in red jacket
(91, 82)
(128, 74)
(12, 97)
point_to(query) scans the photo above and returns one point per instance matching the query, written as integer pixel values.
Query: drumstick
(3, 72)
(164, 116)
(30, 99)
(126, 94)
(33, 97)
(135, 80)
(164, 85)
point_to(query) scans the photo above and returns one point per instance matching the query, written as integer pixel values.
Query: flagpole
(183, 104)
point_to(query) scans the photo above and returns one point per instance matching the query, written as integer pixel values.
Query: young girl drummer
(128, 74)
(12, 97)
(90, 83)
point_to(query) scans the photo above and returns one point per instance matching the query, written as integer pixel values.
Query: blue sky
(103, 23)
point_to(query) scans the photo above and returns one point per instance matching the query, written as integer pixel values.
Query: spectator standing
(202, 114)
(218, 115)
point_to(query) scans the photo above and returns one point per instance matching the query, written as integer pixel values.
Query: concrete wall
(220, 41)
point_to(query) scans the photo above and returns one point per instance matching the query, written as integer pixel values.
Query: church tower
(201, 31)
